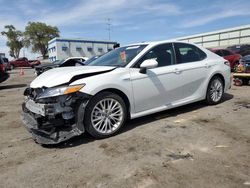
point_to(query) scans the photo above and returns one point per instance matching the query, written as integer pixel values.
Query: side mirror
(148, 64)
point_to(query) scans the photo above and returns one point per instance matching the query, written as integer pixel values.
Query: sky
(131, 20)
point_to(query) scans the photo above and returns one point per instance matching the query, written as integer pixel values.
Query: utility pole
(109, 27)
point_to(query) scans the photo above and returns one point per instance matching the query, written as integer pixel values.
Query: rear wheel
(215, 91)
(105, 114)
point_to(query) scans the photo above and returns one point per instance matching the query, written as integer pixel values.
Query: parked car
(242, 49)
(24, 62)
(6, 63)
(246, 62)
(3, 73)
(71, 61)
(246, 58)
(126, 83)
(242, 73)
(229, 55)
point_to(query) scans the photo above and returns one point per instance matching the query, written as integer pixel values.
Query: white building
(61, 48)
(221, 38)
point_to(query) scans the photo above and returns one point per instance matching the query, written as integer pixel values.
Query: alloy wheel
(107, 116)
(216, 90)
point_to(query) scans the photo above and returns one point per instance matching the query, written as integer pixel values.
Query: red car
(229, 55)
(6, 63)
(3, 74)
(23, 62)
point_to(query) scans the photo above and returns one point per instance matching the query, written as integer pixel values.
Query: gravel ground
(191, 146)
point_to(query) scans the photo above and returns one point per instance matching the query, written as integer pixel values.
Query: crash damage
(53, 109)
(55, 119)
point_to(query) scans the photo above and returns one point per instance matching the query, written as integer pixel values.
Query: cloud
(218, 11)
(94, 12)
(214, 17)
(3, 47)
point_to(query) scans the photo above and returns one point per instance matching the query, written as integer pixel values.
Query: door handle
(207, 65)
(177, 71)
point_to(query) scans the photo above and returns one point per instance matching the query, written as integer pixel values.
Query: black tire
(89, 110)
(209, 98)
(238, 82)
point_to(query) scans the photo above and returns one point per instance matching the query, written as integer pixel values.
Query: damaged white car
(128, 82)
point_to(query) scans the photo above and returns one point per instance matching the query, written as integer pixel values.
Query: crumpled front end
(54, 119)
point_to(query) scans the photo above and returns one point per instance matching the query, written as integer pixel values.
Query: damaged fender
(56, 124)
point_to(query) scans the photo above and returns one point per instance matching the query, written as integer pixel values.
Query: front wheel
(215, 91)
(105, 114)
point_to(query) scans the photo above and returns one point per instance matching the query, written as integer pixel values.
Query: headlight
(53, 92)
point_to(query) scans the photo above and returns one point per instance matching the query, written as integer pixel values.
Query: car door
(18, 63)
(194, 69)
(168, 84)
(150, 89)
(26, 63)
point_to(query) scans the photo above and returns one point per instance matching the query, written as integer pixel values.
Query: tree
(14, 40)
(37, 35)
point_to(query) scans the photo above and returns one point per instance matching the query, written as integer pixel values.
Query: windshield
(5, 60)
(119, 57)
(90, 60)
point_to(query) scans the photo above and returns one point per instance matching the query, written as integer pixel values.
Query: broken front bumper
(54, 122)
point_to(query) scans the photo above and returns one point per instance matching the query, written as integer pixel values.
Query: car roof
(216, 49)
(153, 42)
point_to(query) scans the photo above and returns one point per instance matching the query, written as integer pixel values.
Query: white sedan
(128, 82)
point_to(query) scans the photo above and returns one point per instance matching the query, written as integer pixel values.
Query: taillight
(227, 63)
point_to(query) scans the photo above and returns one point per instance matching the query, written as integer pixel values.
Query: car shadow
(142, 121)
(12, 86)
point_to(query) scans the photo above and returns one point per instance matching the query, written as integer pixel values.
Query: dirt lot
(191, 146)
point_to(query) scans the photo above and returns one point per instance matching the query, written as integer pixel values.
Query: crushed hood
(59, 76)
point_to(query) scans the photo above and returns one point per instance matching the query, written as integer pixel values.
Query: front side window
(163, 54)
(186, 53)
(119, 57)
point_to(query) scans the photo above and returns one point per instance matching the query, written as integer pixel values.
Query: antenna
(109, 27)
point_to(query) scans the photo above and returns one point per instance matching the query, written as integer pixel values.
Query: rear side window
(226, 53)
(186, 53)
(219, 53)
